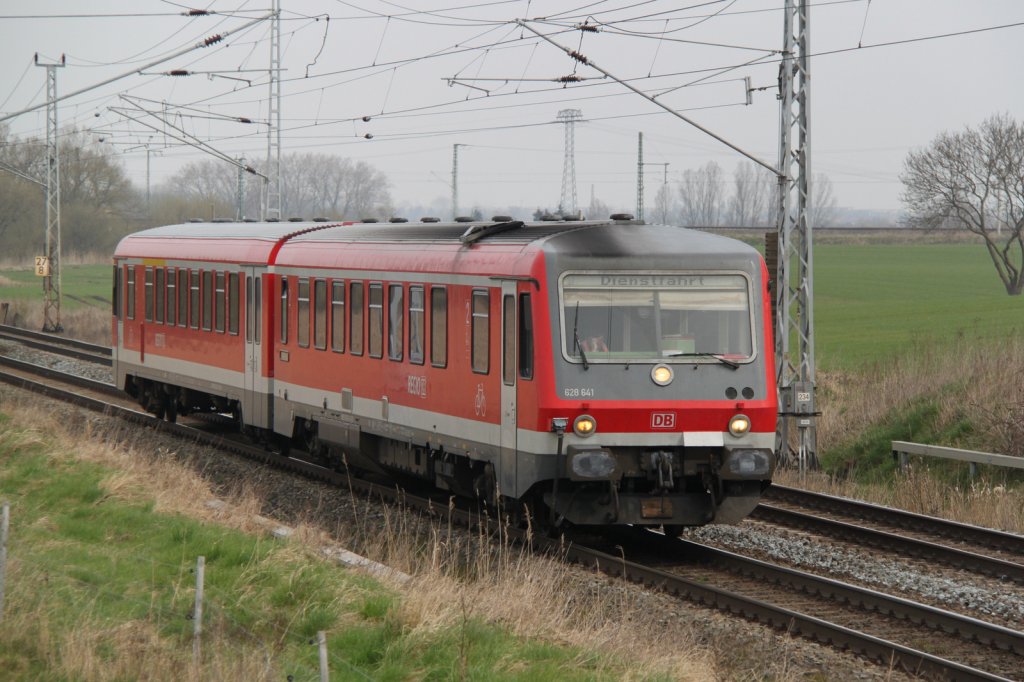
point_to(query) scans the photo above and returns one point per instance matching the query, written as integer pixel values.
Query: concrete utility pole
(455, 179)
(272, 208)
(794, 281)
(640, 177)
(49, 267)
(640, 163)
(567, 203)
(240, 191)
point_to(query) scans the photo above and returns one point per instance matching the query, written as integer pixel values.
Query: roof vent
(464, 219)
(550, 217)
(295, 220)
(399, 220)
(368, 220)
(321, 219)
(221, 220)
(501, 218)
(572, 216)
(478, 232)
(249, 220)
(196, 220)
(429, 219)
(621, 216)
(273, 220)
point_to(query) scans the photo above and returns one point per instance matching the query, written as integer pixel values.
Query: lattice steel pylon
(567, 203)
(794, 281)
(272, 206)
(52, 278)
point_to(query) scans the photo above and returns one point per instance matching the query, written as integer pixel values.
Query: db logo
(663, 420)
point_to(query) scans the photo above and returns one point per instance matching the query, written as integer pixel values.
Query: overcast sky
(433, 73)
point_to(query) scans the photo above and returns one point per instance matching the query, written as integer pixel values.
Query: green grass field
(874, 301)
(82, 285)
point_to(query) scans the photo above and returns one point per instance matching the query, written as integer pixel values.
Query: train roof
(247, 242)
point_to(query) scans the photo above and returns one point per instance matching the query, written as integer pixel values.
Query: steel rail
(57, 375)
(60, 345)
(968, 628)
(921, 549)
(930, 525)
(815, 629)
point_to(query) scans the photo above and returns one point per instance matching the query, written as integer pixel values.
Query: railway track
(981, 551)
(60, 345)
(914, 637)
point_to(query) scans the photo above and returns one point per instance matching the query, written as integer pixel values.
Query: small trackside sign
(663, 420)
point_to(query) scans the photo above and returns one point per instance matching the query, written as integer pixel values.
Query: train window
(508, 339)
(149, 294)
(129, 291)
(338, 317)
(396, 315)
(115, 298)
(284, 310)
(302, 334)
(233, 303)
(218, 303)
(159, 292)
(416, 325)
(320, 314)
(182, 297)
(376, 320)
(481, 332)
(172, 296)
(616, 317)
(193, 303)
(438, 326)
(207, 300)
(525, 337)
(355, 322)
(257, 321)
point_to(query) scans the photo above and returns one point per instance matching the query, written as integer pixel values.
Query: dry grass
(90, 324)
(982, 503)
(977, 382)
(524, 594)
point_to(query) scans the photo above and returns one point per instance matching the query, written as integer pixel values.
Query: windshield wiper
(725, 361)
(576, 336)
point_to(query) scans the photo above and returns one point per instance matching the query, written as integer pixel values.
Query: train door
(255, 403)
(507, 480)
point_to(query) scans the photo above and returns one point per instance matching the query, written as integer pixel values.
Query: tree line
(706, 197)
(100, 203)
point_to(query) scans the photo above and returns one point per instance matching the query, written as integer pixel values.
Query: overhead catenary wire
(212, 40)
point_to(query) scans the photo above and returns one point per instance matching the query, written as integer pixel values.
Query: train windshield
(657, 317)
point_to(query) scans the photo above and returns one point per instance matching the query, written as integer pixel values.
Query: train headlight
(584, 425)
(739, 425)
(661, 375)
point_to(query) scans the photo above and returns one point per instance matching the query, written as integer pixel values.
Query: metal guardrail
(901, 449)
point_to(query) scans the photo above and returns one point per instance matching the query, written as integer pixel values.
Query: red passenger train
(598, 372)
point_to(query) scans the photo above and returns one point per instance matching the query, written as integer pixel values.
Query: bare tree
(753, 190)
(700, 195)
(312, 185)
(974, 180)
(823, 201)
(664, 205)
(209, 186)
